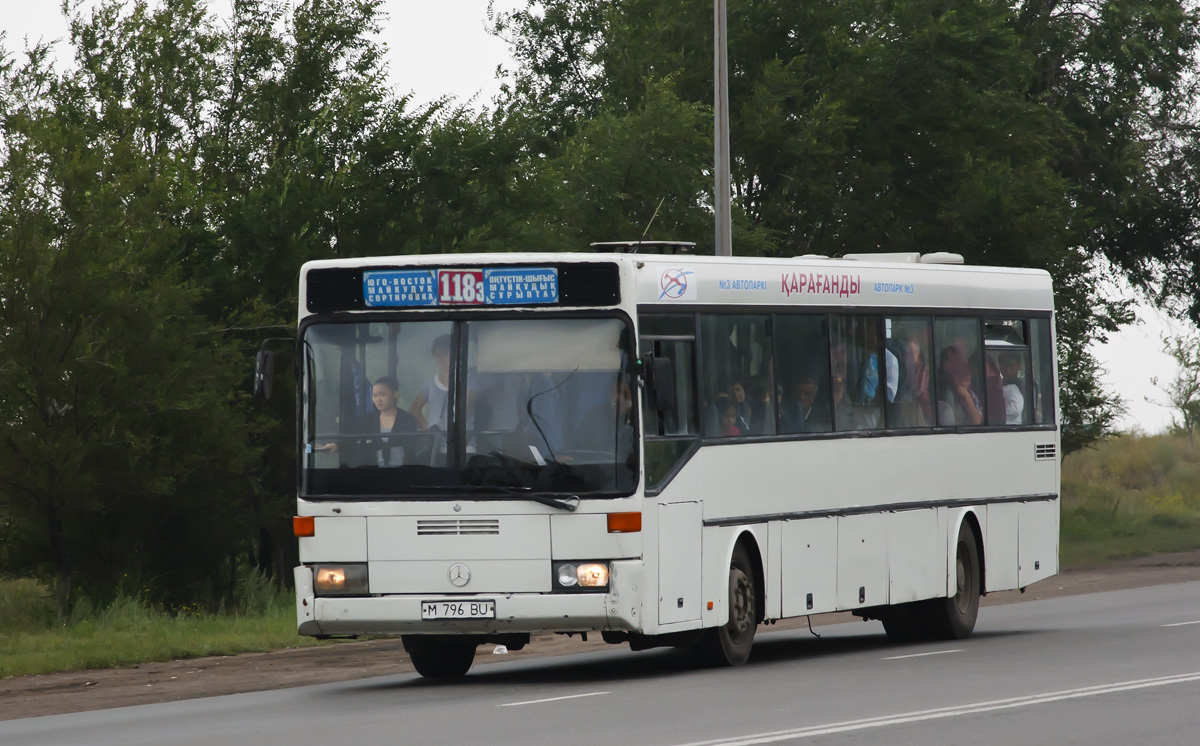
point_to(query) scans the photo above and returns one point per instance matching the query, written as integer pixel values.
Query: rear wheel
(954, 618)
(729, 644)
(440, 656)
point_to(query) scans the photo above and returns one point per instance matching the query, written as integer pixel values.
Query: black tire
(440, 656)
(729, 644)
(954, 618)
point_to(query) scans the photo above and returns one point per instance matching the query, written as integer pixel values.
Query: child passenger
(729, 418)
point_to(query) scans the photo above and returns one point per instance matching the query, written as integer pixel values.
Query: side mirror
(660, 384)
(264, 374)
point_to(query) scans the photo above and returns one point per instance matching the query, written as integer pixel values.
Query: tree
(119, 442)
(1183, 392)
(1044, 135)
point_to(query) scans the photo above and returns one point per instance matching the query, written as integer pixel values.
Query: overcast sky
(441, 48)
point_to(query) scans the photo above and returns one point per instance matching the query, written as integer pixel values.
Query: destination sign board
(498, 286)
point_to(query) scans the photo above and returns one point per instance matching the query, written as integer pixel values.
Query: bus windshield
(480, 407)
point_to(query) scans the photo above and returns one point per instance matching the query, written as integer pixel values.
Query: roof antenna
(652, 217)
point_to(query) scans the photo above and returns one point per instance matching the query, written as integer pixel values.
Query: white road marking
(553, 699)
(922, 655)
(946, 712)
(1182, 624)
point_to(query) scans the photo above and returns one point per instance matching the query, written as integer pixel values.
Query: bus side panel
(1037, 537)
(809, 566)
(1000, 547)
(916, 565)
(679, 558)
(862, 561)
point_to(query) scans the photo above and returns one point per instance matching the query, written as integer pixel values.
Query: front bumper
(619, 609)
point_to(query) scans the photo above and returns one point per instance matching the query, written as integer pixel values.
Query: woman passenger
(959, 404)
(388, 418)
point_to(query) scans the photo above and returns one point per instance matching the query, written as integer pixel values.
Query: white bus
(668, 449)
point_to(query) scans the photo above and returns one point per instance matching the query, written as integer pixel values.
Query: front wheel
(729, 644)
(440, 656)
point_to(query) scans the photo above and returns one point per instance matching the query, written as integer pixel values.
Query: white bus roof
(877, 280)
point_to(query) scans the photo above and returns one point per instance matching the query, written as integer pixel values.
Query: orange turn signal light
(624, 523)
(304, 525)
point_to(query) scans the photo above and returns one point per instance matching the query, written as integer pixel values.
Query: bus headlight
(580, 576)
(340, 580)
(567, 577)
(592, 575)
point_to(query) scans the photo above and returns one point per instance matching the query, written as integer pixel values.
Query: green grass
(128, 632)
(1131, 496)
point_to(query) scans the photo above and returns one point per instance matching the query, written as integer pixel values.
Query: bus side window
(1042, 387)
(858, 375)
(961, 386)
(802, 373)
(681, 420)
(738, 396)
(671, 336)
(1008, 366)
(908, 370)
(669, 435)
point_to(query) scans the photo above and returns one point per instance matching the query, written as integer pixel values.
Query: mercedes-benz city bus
(668, 449)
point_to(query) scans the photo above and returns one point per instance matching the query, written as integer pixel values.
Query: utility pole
(724, 233)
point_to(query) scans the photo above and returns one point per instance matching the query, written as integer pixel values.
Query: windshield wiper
(569, 503)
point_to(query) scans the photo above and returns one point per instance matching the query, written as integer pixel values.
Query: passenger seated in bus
(799, 411)
(868, 380)
(729, 418)
(959, 404)
(916, 378)
(843, 410)
(762, 409)
(737, 393)
(436, 390)
(814, 407)
(1014, 397)
(388, 418)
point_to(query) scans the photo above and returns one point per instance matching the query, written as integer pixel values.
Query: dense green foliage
(159, 193)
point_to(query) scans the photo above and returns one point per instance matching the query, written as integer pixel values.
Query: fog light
(567, 576)
(592, 575)
(340, 580)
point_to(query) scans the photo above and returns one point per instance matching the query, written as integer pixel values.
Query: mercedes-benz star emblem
(459, 575)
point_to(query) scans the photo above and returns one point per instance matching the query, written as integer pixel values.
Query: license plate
(458, 609)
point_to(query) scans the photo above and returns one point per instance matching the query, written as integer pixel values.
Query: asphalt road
(1108, 668)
